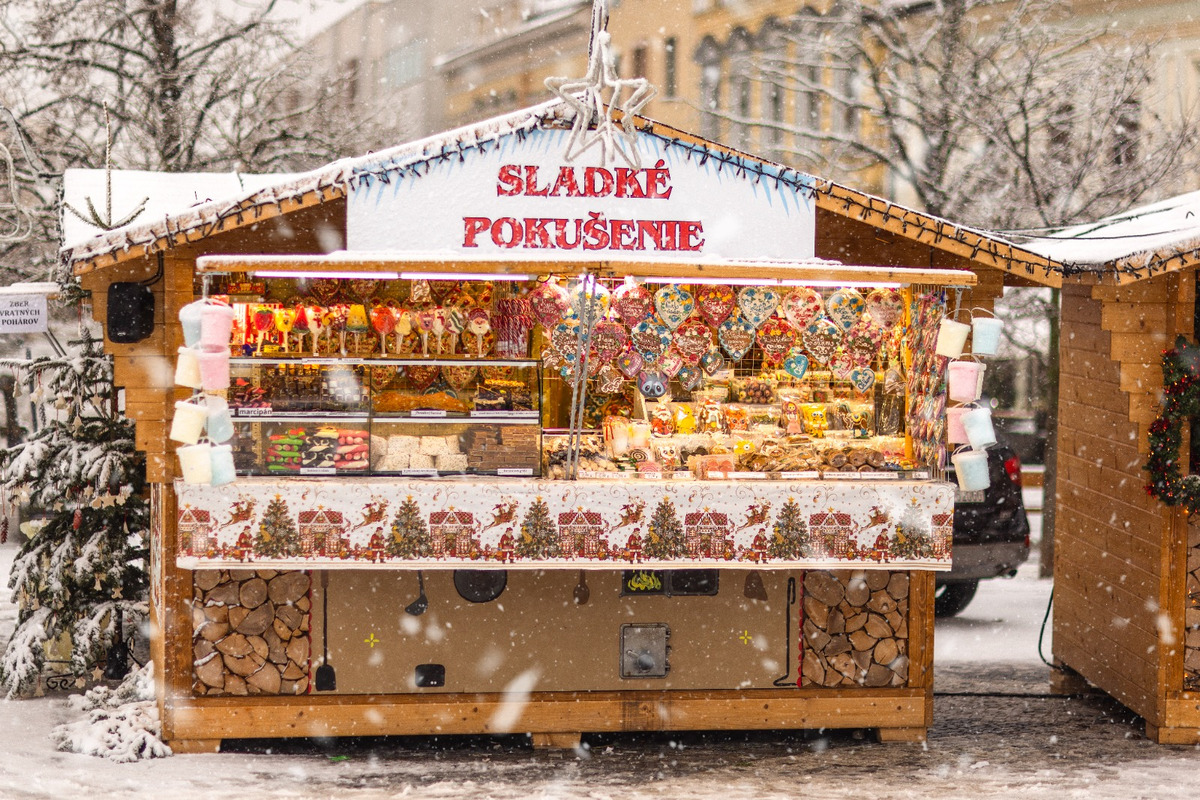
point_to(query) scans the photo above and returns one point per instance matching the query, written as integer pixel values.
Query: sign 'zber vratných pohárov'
(23, 313)
(521, 199)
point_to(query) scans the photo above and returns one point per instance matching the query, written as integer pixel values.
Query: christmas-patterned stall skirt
(511, 523)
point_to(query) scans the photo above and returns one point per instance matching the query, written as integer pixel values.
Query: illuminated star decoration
(585, 96)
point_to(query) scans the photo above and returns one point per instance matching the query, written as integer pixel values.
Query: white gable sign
(522, 199)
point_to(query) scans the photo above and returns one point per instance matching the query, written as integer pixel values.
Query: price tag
(419, 473)
(252, 412)
(318, 471)
(515, 471)
(429, 412)
(805, 475)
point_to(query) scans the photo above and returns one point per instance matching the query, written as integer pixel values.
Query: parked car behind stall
(991, 533)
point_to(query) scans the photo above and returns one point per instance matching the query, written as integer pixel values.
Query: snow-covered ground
(995, 734)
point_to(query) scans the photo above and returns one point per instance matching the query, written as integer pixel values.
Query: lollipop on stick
(264, 323)
(356, 323)
(438, 326)
(285, 319)
(300, 325)
(384, 322)
(316, 324)
(456, 321)
(403, 327)
(424, 327)
(479, 323)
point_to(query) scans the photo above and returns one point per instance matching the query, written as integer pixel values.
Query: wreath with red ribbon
(1181, 402)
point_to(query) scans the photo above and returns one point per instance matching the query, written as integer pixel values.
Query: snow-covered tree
(85, 569)
(1004, 116)
(189, 86)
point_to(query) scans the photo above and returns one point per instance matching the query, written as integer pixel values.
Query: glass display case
(428, 417)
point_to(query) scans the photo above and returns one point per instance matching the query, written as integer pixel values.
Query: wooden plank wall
(1114, 545)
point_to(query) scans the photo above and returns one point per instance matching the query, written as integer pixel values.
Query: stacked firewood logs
(250, 632)
(855, 628)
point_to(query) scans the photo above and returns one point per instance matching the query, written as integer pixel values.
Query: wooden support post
(1065, 681)
(189, 746)
(886, 735)
(556, 741)
(1188, 736)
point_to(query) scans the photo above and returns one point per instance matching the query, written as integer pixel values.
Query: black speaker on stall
(130, 312)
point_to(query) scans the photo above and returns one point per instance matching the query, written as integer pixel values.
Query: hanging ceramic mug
(190, 318)
(985, 333)
(187, 369)
(220, 424)
(964, 380)
(955, 432)
(195, 460)
(221, 465)
(216, 326)
(188, 422)
(952, 338)
(978, 424)
(971, 469)
(214, 369)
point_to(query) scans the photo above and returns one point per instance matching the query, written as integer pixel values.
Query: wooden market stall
(402, 550)
(1127, 564)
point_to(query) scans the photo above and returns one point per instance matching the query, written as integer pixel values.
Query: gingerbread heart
(689, 377)
(776, 337)
(459, 376)
(421, 376)
(650, 339)
(693, 339)
(549, 303)
(552, 359)
(801, 306)
(594, 302)
(711, 362)
(670, 363)
(736, 336)
(609, 380)
(633, 303)
(886, 307)
(608, 340)
(715, 303)
(630, 363)
(796, 364)
(564, 337)
(821, 340)
(674, 304)
(862, 379)
(845, 306)
(757, 304)
(841, 365)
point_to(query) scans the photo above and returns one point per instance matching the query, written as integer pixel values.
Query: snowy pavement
(996, 732)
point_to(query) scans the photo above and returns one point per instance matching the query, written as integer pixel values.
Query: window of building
(406, 63)
(670, 68)
(1126, 130)
(639, 62)
(710, 101)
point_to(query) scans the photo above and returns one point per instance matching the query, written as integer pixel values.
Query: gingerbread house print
(832, 531)
(195, 531)
(451, 533)
(321, 531)
(705, 533)
(579, 533)
(943, 533)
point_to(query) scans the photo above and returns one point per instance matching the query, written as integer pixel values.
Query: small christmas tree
(277, 534)
(410, 535)
(665, 534)
(539, 534)
(82, 578)
(789, 539)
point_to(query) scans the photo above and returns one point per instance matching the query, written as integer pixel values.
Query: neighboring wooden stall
(840, 638)
(1126, 588)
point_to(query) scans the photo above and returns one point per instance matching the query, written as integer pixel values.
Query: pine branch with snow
(119, 724)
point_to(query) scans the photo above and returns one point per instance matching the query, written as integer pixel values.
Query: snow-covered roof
(282, 194)
(1135, 244)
